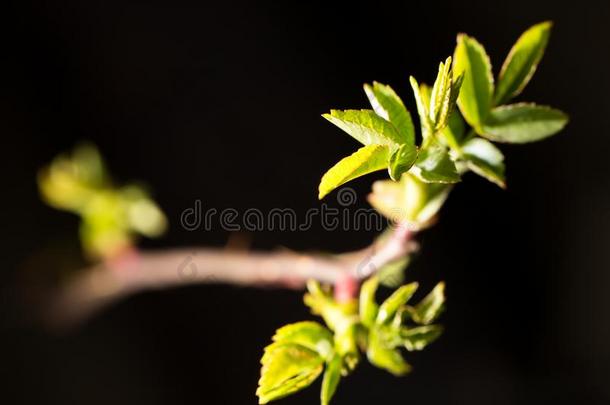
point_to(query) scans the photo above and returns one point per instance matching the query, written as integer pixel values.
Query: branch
(96, 287)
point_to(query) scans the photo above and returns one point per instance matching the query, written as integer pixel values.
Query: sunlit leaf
(523, 122)
(521, 62)
(286, 369)
(365, 160)
(443, 95)
(422, 109)
(476, 92)
(365, 126)
(389, 106)
(308, 334)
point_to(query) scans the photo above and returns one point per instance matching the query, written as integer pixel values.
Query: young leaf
(422, 110)
(332, 375)
(389, 106)
(419, 337)
(471, 60)
(400, 297)
(365, 126)
(368, 306)
(308, 334)
(410, 200)
(346, 344)
(287, 369)
(431, 306)
(443, 95)
(523, 122)
(365, 160)
(440, 90)
(483, 158)
(402, 160)
(521, 62)
(383, 356)
(392, 275)
(435, 165)
(454, 132)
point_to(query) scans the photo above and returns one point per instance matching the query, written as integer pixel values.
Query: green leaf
(287, 369)
(409, 200)
(419, 337)
(401, 161)
(443, 96)
(400, 297)
(389, 106)
(346, 342)
(365, 126)
(368, 306)
(521, 62)
(332, 375)
(435, 165)
(381, 355)
(393, 274)
(454, 132)
(422, 110)
(308, 334)
(365, 160)
(471, 60)
(431, 306)
(523, 122)
(483, 158)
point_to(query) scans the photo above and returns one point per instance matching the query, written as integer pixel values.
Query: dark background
(221, 102)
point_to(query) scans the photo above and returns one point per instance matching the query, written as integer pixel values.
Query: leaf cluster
(452, 140)
(302, 351)
(111, 216)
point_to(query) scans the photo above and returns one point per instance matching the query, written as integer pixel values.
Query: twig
(96, 287)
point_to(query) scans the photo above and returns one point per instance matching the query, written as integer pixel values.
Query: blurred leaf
(384, 357)
(392, 274)
(471, 60)
(308, 334)
(523, 122)
(321, 303)
(389, 106)
(398, 298)
(521, 62)
(287, 368)
(483, 158)
(332, 375)
(431, 306)
(365, 126)
(365, 160)
(409, 200)
(368, 305)
(419, 337)
(402, 160)
(346, 342)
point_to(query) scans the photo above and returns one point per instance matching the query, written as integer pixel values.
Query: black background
(221, 102)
